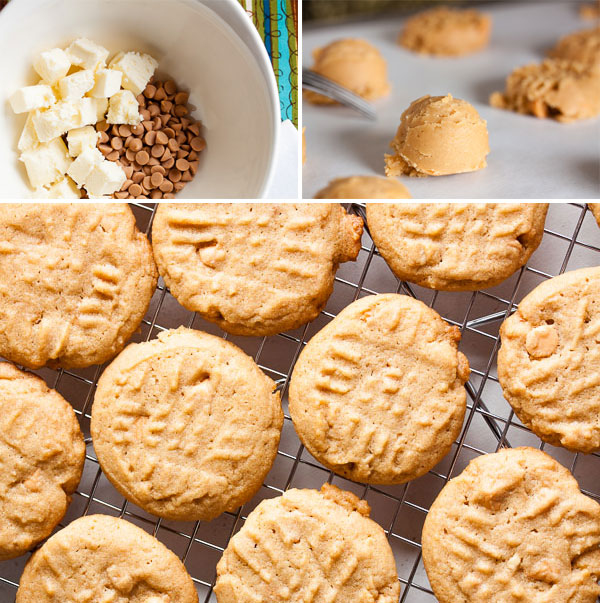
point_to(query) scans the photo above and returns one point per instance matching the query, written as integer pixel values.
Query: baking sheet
(530, 158)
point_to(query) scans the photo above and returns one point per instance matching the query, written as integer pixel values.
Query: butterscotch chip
(76, 281)
(456, 247)
(137, 130)
(137, 176)
(166, 186)
(156, 179)
(446, 32)
(170, 87)
(366, 368)
(438, 136)
(513, 526)
(98, 557)
(550, 358)
(319, 538)
(150, 137)
(182, 165)
(158, 150)
(181, 98)
(364, 187)
(147, 183)
(142, 157)
(198, 143)
(102, 126)
(41, 460)
(168, 163)
(580, 46)
(253, 268)
(125, 131)
(162, 138)
(113, 156)
(203, 425)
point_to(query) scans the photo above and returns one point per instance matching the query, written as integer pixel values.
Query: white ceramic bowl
(208, 46)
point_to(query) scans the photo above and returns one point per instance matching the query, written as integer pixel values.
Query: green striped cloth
(277, 24)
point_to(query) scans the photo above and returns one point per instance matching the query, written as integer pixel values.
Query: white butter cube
(81, 139)
(52, 65)
(88, 112)
(101, 108)
(28, 139)
(87, 54)
(108, 82)
(81, 168)
(74, 86)
(32, 97)
(63, 189)
(56, 121)
(46, 163)
(137, 70)
(123, 108)
(105, 179)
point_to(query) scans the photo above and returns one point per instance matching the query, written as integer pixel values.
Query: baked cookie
(186, 426)
(102, 559)
(254, 269)
(75, 282)
(590, 12)
(364, 187)
(456, 247)
(513, 526)
(354, 64)
(41, 460)
(595, 209)
(308, 545)
(438, 136)
(549, 362)
(355, 385)
(580, 46)
(446, 32)
(559, 89)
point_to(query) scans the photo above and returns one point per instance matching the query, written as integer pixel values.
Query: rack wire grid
(570, 241)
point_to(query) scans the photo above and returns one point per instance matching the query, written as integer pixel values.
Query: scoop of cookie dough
(312, 546)
(549, 361)
(438, 136)
(41, 459)
(364, 187)
(446, 32)
(98, 558)
(254, 269)
(563, 90)
(354, 64)
(581, 47)
(513, 526)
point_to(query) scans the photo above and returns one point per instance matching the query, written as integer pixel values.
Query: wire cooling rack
(571, 241)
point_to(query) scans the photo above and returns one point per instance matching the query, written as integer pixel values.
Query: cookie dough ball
(309, 546)
(456, 246)
(364, 187)
(581, 47)
(354, 64)
(513, 526)
(446, 32)
(556, 88)
(438, 135)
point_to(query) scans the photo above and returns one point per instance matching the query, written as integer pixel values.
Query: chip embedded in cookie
(75, 282)
(100, 559)
(254, 269)
(456, 246)
(186, 426)
(378, 394)
(549, 361)
(513, 526)
(41, 460)
(308, 545)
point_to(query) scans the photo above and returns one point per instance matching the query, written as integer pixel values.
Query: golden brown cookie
(549, 362)
(595, 209)
(186, 426)
(513, 526)
(556, 88)
(456, 246)
(580, 46)
(75, 282)
(354, 390)
(590, 12)
(41, 460)
(446, 32)
(438, 136)
(354, 64)
(364, 187)
(254, 269)
(312, 546)
(102, 559)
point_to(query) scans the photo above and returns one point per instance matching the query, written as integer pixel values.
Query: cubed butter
(137, 70)
(105, 179)
(101, 108)
(74, 86)
(56, 121)
(52, 65)
(80, 139)
(47, 163)
(108, 82)
(28, 139)
(87, 54)
(123, 108)
(32, 97)
(63, 189)
(81, 168)
(88, 112)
